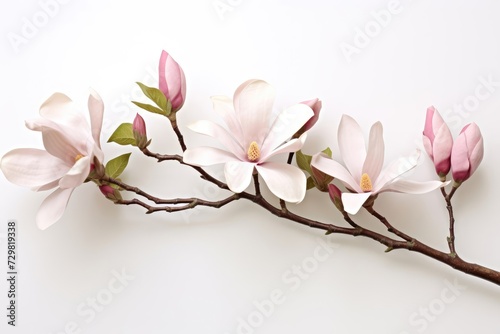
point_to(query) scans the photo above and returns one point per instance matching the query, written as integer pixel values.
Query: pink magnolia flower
(252, 137)
(364, 176)
(467, 153)
(438, 141)
(172, 81)
(70, 147)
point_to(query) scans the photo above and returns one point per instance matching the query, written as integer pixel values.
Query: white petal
(223, 106)
(285, 181)
(292, 146)
(238, 175)
(375, 154)
(354, 201)
(207, 156)
(77, 174)
(253, 102)
(32, 167)
(286, 124)
(60, 109)
(57, 144)
(352, 145)
(395, 170)
(96, 111)
(413, 187)
(52, 208)
(214, 130)
(333, 168)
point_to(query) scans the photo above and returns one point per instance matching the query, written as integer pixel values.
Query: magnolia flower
(252, 137)
(467, 153)
(364, 176)
(70, 147)
(437, 141)
(172, 81)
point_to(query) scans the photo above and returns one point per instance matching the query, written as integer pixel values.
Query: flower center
(78, 157)
(366, 183)
(253, 152)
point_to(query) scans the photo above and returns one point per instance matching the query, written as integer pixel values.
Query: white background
(205, 271)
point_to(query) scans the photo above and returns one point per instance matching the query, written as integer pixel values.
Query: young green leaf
(150, 108)
(123, 135)
(116, 166)
(156, 95)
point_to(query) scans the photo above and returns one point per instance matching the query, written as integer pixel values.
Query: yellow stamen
(253, 152)
(366, 183)
(78, 157)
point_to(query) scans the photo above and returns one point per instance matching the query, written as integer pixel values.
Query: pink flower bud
(437, 141)
(315, 105)
(110, 192)
(467, 153)
(139, 129)
(172, 81)
(336, 196)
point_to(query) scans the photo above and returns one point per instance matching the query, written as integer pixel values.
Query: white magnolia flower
(364, 176)
(70, 147)
(253, 136)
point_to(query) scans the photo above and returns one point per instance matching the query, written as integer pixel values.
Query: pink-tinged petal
(52, 208)
(428, 146)
(214, 130)
(172, 81)
(354, 201)
(238, 175)
(207, 156)
(60, 146)
(413, 187)
(443, 143)
(253, 102)
(476, 156)
(291, 146)
(352, 145)
(286, 124)
(284, 181)
(333, 168)
(96, 111)
(460, 164)
(77, 174)
(375, 155)
(395, 170)
(223, 106)
(428, 128)
(32, 168)
(315, 105)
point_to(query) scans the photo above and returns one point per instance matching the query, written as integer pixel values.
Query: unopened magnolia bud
(321, 180)
(172, 81)
(336, 196)
(110, 192)
(139, 129)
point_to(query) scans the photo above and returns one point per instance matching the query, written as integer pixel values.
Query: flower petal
(216, 131)
(96, 111)
(253, 102)
(291, 146)
(286, 124)
(285, 181)
(395, 170)
(77, 174)
(52, 208)
(238, 175)
(60, 146)
(29, 167)
(60, 109)
(413, 187)
(223, 106)
(333, 168)
(375, 155)
(354, 201)
(207, 156)
(352, 145)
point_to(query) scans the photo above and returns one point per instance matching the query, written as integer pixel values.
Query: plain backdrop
(109, 269)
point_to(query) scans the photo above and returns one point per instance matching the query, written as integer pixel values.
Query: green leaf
(303, 161)
(310, 183)
(123, 135)
(156, 95)
(116, 166)
(150, 108)
(328, 152)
